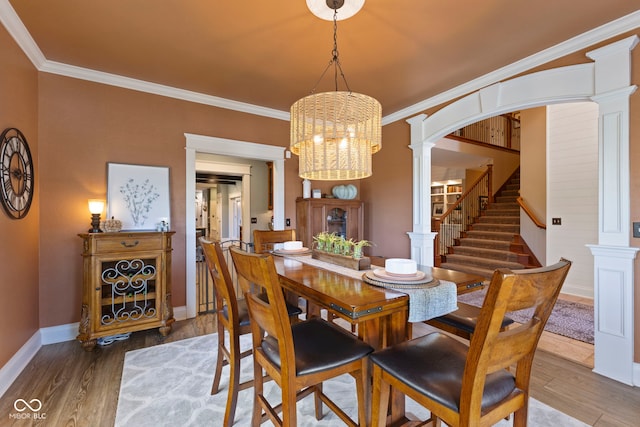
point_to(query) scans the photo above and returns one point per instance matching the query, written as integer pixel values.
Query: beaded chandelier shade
(335, 133)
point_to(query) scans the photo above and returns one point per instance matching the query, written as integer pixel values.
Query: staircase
(493, 240)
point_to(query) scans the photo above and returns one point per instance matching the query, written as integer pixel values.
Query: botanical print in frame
(138, 195)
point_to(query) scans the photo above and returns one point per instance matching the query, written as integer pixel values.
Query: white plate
(383, 274)
(291, 252)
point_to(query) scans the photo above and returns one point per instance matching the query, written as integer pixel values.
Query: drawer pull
(129, 245)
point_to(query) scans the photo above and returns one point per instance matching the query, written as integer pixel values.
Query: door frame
(227, 147)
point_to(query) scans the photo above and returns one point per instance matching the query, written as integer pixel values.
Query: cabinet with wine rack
(126, 285)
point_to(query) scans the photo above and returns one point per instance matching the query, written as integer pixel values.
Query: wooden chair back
(263, 240)
(232, 318)
(492, 348)
(276, 354)
(224, 293)
(259, 271)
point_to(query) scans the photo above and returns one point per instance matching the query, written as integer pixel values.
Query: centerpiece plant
(335, 244)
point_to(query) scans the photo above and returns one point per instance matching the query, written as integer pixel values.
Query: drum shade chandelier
(335, 133)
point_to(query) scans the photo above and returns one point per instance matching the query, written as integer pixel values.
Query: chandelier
(335, 133)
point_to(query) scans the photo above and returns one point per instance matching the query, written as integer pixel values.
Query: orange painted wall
(19, 238)
(84, 126)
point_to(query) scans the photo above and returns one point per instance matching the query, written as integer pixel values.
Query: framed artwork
(483, 201)
(138, 195)
(438, 209)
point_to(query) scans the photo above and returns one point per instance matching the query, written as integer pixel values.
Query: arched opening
(613, 255)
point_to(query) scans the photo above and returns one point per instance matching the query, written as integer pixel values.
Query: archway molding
(606, 81)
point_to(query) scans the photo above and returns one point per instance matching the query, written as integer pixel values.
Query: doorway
(213, 145)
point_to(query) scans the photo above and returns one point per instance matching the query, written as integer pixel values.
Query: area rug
(170, 385)
(568, 318)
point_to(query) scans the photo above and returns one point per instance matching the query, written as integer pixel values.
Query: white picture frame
(438, 209)
(138, 195)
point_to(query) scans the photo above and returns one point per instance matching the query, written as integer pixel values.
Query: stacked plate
(399, 273)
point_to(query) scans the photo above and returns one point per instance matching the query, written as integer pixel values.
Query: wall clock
(16, 173)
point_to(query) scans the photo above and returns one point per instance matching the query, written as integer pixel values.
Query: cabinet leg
(88, 345)
(165, 330)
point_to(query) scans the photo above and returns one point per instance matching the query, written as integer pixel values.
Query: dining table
(378, 314)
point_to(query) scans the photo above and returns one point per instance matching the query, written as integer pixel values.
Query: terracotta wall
(19, 238)
(84, 125)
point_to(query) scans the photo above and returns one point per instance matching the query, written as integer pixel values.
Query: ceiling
(272, 53)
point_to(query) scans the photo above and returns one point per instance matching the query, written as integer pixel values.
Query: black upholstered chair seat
(434, 366)
(465, 318)
(319, 345)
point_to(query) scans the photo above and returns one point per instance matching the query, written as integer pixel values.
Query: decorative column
(613, 256)
(422, 238)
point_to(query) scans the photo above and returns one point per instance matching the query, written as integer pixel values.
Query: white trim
(228, 147)
(44, 336)
(10, 371)
(604, 32)
(636, 374)
(18, 31)
(606, 82)
(60, 333)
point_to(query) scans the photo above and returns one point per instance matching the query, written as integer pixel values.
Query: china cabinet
(344, 217)
(126, 284)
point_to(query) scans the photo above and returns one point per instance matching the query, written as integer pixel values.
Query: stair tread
(482, 262)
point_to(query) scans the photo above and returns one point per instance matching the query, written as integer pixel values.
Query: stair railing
(531, 214)
(461, 214)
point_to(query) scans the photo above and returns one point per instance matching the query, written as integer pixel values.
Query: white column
(613, 257)
(422, 238)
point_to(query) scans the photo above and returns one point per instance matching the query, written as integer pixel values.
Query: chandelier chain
(335, 61)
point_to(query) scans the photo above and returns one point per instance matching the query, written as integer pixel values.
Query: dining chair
(263, 240)
(299, 357)
(233, 317)
(471, 384)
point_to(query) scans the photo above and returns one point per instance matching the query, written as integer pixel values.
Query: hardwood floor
(78, 388)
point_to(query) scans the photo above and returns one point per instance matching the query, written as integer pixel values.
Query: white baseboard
(51, 335)
(636, 374)
(10, 371)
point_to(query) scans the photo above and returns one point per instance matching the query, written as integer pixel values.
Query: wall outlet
(288, 222)
(636, 229)
(556, 221)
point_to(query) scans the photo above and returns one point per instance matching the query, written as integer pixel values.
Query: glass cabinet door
(337, 222)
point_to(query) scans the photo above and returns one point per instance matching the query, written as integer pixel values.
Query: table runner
(424, 303)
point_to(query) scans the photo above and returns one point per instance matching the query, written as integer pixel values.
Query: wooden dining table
(379, 314)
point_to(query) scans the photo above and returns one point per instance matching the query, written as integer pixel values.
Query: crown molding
(158, 89)
(18, 31)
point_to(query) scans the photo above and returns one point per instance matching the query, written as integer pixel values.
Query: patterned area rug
(569, 319)
(170, 385)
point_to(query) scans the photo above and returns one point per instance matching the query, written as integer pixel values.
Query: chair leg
(318, 401)
(362, 391)
(234, 382)
(380, 401)
(520, 416)
(219, 362)
(256, 418)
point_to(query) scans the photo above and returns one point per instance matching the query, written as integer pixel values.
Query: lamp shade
(96, 206)
(334, 134)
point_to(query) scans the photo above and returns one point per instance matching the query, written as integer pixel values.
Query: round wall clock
(16, 173)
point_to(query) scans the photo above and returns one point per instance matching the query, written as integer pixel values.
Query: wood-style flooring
(78, 388)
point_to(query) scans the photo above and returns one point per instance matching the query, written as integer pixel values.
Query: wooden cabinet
(126, 284)
(340, 216)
